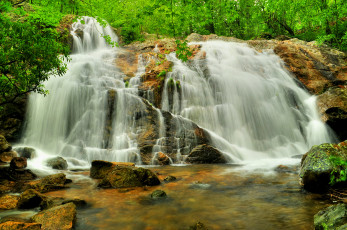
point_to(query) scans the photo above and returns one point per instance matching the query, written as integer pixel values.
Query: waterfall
(86, 113)
(248, 102)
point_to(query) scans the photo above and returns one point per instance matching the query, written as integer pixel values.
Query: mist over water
(251, 107)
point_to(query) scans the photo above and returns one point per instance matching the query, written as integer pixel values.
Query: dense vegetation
(321, 20)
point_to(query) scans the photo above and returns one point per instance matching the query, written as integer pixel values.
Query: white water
(251, 106)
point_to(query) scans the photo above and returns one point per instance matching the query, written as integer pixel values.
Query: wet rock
(57, 163)
(49, 183)
(333, 106)
(100, 169)
(124, 177)
(158, 194)
(18, 163)
(316, 166)
(26, 152)
(4, 145)
(286, 169)
(8, 202)
(170, 179)
(198, 226)
(205, 154)
(332, 217)
(8, 173)
(6, 157)
(163, 159)
(14, 225)
(30, 199)
(76, 201)
(60, 217)
(51, 202)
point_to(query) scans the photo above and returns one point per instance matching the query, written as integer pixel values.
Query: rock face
(57, 163)
(30, 199)
(18, 163)
(62, 217)
(8, 202)
(332, 217)
(333, 107)
(14, 225)
(316, 166)
(125, 177)
(205, 154)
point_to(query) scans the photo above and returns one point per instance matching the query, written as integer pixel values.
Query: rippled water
(220, 196)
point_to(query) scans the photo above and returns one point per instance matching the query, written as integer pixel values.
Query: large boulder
(49, 183)
(26, 152)
(30, 199)
(4, 145)
(317, 167)
(18, 163)
(61, 217)
(125, 177)
(332, 104)
(205, 154)
(11, 174)
(100, 169)
(8, 202)
(57, 163)
(15, 225)
(332, 217)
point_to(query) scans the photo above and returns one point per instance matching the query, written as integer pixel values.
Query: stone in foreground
(61, 217)
(332, 217)
(8, 202)
(14, 225)
(206, 154)
(125, 177)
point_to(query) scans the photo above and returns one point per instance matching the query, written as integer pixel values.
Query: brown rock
(49, 183)
(4, 145)
(13, 225)
(7, 156)
(163, 159)
(60, 217)
(8, 202)
(100, 169)
(206, 154)
(30, 199)
(8, 173)
(18, 163)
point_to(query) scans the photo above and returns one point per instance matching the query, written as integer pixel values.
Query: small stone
(170, 179)
(158, 194)
(18, 163)
(198, 226)
(78, 202)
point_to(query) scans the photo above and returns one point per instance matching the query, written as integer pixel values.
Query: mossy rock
(332, 217)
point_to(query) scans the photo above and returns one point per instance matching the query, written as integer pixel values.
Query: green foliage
(183, 52)
(178, 84)
(171, 82)
(29, 52)
(161, 74)
(339, 174)
(127, 84)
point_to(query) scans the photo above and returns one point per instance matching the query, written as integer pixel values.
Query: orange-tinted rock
(206, 154)
(100, 168)
(18, 163)
(61, 217)
(8, 202)
(7, 156)
(163, 159)
(49, 183)
(127, 63)
(13, 225)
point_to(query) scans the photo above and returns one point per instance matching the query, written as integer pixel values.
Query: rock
(76, 201)
(8, 173)
(286, 169)
(332, 217)
(18, 163)
(205, 154)
(49, 183)
(198, 226)
(100, 169)
(30, 199)
(332, 104)
(60, 217)
(8, 202)
(158, 194)
(124, 177)
(163, 159)
(6, 157)
(26, 152)
(169, 179)
(13, 225)
(51, 202)
(57, 163)
(4, 145)
(316, 167)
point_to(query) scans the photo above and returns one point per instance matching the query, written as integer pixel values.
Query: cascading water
(87, 112)
(250, 105)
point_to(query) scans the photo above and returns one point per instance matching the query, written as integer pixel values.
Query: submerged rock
(332, 217)
(30, 199)
(124, 177)
(170, 179)
(158, 194)
(332, 104)
(60, 217)
(18, 163)
(8, 202)
(198, 226)
(316, 166)
(57, 163)
(15, 225)
(205, 154)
